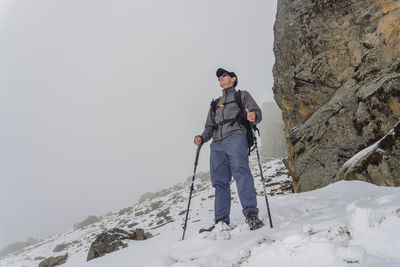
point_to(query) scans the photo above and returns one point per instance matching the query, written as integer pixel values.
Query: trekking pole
(191, 189)
(261, 172)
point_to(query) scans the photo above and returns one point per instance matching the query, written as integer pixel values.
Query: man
(229, 151)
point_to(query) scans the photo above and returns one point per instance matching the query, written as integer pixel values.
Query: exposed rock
(111, 240)
(140, 234)
(108, 242)
(88, 221)
(150, 195)
(139, 213)
(337, 82)
(163, 213)
(54, 261)
(63, 246)
(146, 196)
(156, 205)
(60, 247)
(125, 210)
(202, 176)
(378, 163)
(132, 224)
(272, 133)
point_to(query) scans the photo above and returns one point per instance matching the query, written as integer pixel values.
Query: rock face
(112, 240)
(337, 82)
(271, 130)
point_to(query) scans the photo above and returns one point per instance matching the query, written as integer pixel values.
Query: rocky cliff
(337, 82)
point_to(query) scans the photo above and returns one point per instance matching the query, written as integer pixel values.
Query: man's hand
(198, 140)
(251, 116)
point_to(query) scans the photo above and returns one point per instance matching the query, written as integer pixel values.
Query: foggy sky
(100, 100)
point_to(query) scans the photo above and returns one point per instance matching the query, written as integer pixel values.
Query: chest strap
(224, 104)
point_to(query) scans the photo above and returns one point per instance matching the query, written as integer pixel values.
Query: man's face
(226, 81)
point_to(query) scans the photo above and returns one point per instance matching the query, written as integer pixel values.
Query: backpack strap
(242, 119)
(241, 116)
(238, 99)
(213, 105)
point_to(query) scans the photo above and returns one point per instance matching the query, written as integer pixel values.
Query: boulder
(54, 261)
(140, 235)
(61, 247)
(112, 240)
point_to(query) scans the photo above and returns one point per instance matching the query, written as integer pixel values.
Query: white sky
(100, 100)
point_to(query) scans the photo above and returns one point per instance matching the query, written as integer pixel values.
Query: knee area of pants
(220, 184)
(240, 169)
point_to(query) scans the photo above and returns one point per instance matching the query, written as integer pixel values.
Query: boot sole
(256, 227)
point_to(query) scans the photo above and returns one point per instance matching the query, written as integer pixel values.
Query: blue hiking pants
(229, 158)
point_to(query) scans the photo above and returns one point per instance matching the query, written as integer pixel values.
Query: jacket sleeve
(208, 128)
(250, 104)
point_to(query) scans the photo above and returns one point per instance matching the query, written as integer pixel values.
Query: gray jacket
(229, 111)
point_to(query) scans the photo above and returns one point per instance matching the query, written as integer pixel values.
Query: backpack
(241, 118)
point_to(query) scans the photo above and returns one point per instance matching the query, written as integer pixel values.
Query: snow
(348, 223)
(349, 165)
(360, 155)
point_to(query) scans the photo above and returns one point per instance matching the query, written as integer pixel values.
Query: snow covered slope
(349, 223)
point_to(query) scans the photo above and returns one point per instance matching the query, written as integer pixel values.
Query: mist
(100, 100)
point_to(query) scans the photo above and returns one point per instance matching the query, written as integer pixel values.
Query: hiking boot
(252, 220)
(224, 225)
